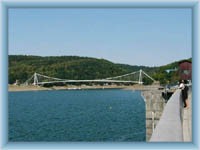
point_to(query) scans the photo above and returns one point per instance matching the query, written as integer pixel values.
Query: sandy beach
(26, 88)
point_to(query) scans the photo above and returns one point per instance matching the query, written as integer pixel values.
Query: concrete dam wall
(155, 104)
(167, 122)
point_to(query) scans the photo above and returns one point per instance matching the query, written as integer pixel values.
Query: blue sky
(150, 37)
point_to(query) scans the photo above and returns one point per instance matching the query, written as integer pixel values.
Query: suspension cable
(122, 75)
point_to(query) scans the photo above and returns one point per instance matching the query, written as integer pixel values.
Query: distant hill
(22, 67)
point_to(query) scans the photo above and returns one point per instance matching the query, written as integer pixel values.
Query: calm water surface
(77, 115)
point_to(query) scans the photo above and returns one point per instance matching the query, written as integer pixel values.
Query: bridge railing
(169, 128)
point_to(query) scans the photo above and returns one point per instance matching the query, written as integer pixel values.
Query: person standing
(184, 93)
(186, 89)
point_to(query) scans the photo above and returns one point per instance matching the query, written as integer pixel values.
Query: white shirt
(182, 86)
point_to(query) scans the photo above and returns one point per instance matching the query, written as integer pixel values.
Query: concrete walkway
(175, 124)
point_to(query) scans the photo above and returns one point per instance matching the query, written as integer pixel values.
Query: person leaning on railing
(184, 93)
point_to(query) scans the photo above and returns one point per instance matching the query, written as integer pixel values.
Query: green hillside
(73, 67)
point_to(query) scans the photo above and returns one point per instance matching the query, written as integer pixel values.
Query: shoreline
(19, 88)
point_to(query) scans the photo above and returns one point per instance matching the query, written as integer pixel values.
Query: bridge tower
(35, 82)
(140, 77)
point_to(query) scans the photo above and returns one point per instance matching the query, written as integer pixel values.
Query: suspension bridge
(133, 77)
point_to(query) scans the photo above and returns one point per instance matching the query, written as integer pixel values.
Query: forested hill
(73, 67)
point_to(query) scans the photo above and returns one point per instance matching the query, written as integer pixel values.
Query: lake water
(77, 115)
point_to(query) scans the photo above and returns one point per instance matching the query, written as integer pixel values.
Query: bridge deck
(86, 81)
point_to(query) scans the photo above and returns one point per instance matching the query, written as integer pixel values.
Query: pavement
(169, 127)
(175, 124)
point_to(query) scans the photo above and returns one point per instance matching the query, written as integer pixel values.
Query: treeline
(22, 67)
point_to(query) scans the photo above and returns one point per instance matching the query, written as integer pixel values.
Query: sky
(134, 36)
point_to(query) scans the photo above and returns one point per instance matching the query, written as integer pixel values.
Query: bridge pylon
(35, 82)
(140, 77)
